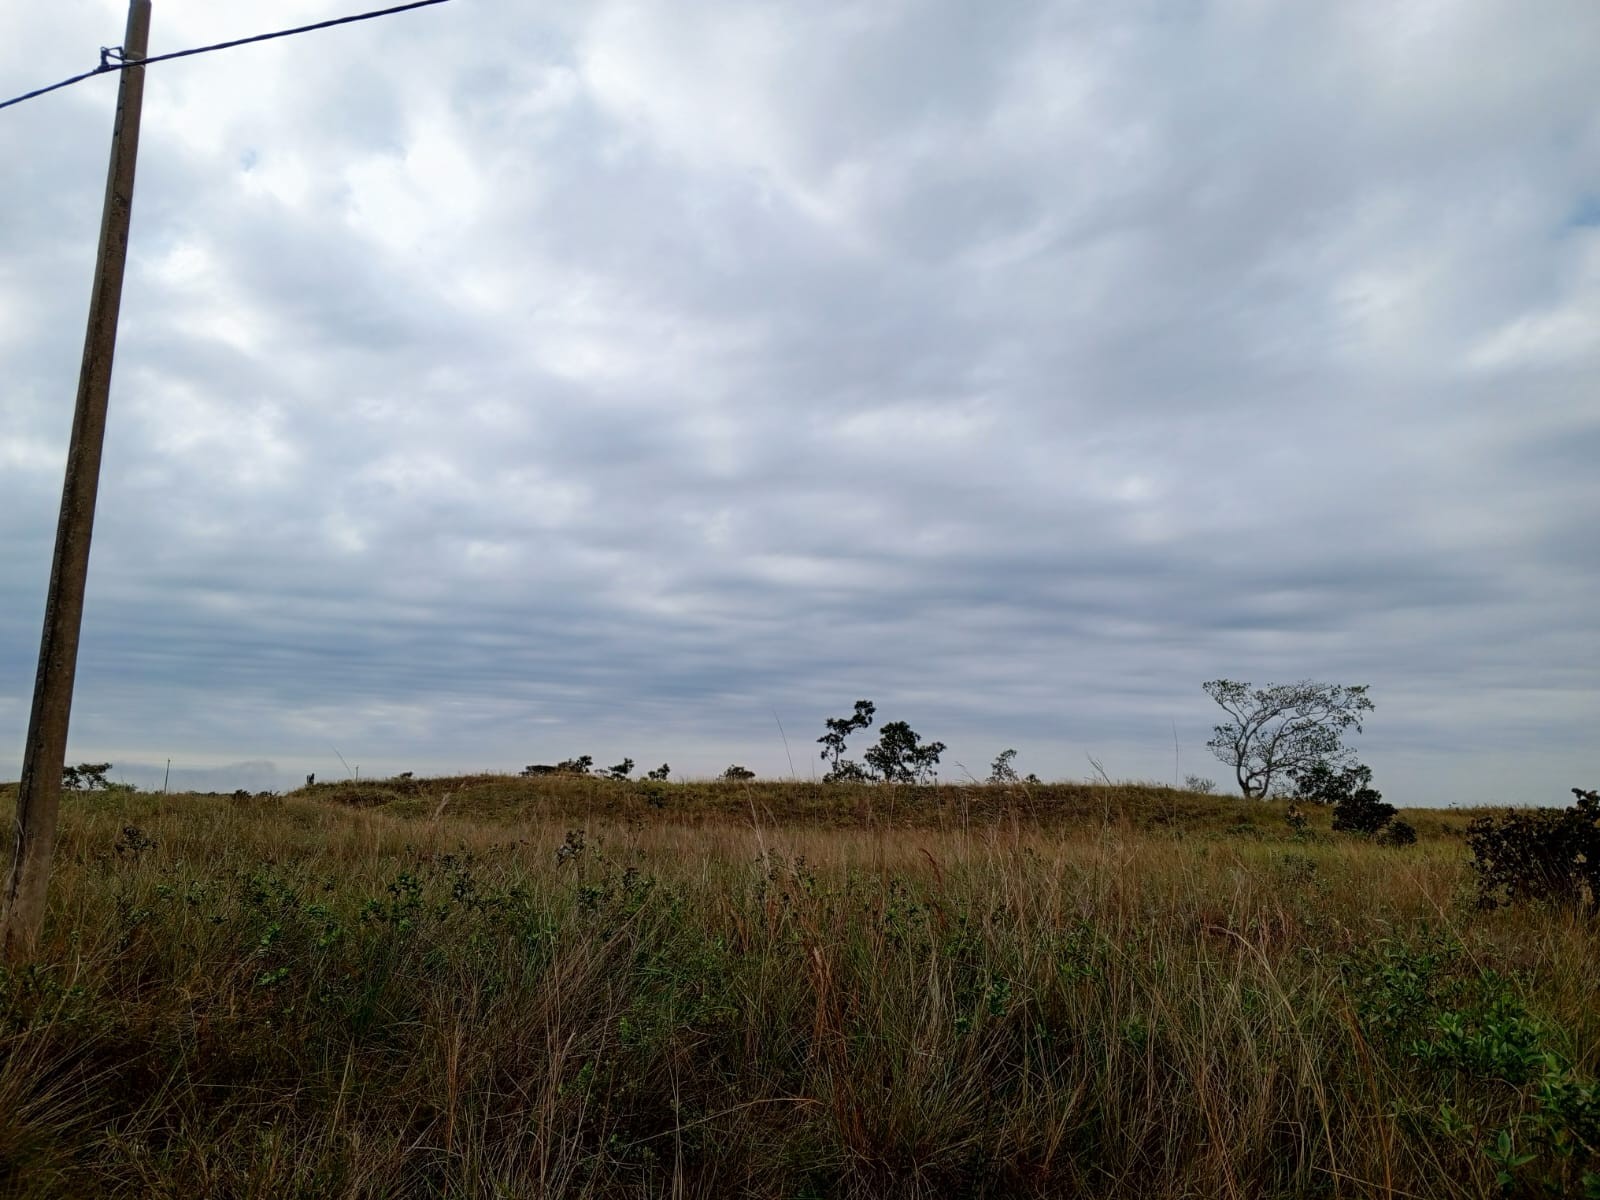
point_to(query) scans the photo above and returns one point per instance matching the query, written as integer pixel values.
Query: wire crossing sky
(114, 59)
(498, 386)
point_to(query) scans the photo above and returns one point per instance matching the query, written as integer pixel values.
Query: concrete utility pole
(39, 795)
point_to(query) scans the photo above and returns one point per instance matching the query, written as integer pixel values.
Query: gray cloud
(495, 386)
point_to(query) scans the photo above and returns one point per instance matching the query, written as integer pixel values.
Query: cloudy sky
(501, 382)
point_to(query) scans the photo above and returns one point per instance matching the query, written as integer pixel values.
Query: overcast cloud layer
(499, 384)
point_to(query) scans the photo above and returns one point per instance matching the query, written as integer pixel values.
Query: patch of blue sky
(1586, 212)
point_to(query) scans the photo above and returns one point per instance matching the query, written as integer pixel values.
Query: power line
(112, 59)
(64, 83)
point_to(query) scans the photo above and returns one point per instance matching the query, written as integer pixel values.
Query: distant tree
(1198, 783)
(1283, 730)
(898, 758)
(85, 777)
(1001, 771)
(833, 742)
(736, 773)
(660, 774)
(622, 770)
(575, 766)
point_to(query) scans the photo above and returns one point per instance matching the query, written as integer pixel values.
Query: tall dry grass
(276, 998)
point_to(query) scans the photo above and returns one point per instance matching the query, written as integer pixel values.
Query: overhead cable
(111, 59)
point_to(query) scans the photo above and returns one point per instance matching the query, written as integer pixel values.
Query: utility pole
(39, 794)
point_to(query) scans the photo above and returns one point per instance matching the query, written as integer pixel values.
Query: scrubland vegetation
(575, 986)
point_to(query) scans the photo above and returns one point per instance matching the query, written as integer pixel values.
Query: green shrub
(1358, 807)
(1539, 854)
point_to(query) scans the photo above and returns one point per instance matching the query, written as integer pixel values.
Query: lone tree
(86, 777)
(898, 758)
(1001, 771)
(833, 742)
(1280, 732)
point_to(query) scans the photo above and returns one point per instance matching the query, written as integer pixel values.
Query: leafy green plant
(1499, 1084)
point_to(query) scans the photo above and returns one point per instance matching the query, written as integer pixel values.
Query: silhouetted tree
(85, 777)
(1283, 730)
(898, 758)
(833, 742)
(1001, 771)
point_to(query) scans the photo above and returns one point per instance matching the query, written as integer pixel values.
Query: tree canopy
(1279, 732)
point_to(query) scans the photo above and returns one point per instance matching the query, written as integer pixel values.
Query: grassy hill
(493, 986)
(514, 798)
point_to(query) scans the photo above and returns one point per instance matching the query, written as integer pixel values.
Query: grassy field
(496, 987)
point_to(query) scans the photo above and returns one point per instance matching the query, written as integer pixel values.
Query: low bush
(1397, 833)
(1358, 807)
(1539, 854)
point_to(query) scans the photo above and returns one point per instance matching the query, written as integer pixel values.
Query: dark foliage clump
(571, 766)
(833, 742)
(85, 777)
(900, 757)
(1358, 807)
(1397, 833)
(1539, 854)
